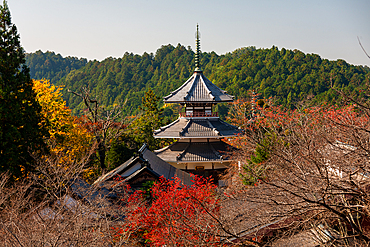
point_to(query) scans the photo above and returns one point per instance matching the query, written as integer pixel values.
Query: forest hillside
(288, 75)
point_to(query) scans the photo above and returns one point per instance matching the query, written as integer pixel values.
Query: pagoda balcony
(198, 114)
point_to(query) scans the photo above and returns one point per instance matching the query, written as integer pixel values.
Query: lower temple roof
(197, 128)
(195, 152)
(145, 161)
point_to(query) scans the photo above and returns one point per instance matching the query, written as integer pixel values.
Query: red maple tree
(176, 214)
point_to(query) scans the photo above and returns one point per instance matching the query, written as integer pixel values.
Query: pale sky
(99, 29)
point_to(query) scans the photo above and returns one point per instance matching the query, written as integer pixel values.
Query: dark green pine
(20, 132)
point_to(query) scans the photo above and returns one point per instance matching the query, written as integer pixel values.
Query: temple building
(141, 168)
(199, 148)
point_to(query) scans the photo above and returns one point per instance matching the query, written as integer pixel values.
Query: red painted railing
(198, 114)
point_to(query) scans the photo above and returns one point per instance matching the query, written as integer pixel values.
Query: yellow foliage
(68, 137)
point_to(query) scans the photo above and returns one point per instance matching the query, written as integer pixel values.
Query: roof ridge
(206, 87)
(185, 127)
(192, 88)
(181, 87)
(213, 128)
(215, 151)
(181, 154)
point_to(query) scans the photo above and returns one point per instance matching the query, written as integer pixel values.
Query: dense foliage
(142, 128)
(310, 163)
(289, 75)
(178, 215)
(67, 134)
(20, 132)
(51, 66)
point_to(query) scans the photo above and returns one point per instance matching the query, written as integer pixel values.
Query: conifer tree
(20, 132)
(151, 119)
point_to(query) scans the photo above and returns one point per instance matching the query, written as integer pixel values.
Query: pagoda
(198, 131)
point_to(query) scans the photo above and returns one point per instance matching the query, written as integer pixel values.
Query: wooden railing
(198, 114)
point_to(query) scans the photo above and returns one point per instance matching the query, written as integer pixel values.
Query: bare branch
(362, 47)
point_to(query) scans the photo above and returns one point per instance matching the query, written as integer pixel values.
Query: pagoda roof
(197, 128)
(198, 89)
(195, 152)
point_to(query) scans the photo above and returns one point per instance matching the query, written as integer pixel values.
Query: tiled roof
(150, 162)
(84, 191)
(195, 151)
(198, 89)
(164, 169)
(197, 128)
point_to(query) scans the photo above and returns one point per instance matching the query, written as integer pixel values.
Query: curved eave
(197, 128)
(195, 137)
(182, 152)
(173, 93)
(210, 161)
(167, 126)
(199, 118)
(187, 102)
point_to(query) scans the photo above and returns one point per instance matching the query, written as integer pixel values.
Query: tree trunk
(101, 152)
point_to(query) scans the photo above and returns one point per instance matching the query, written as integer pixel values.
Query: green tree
(120, 151)
(20, 113)
(289, 100)
(52, 66)
(151, 119)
